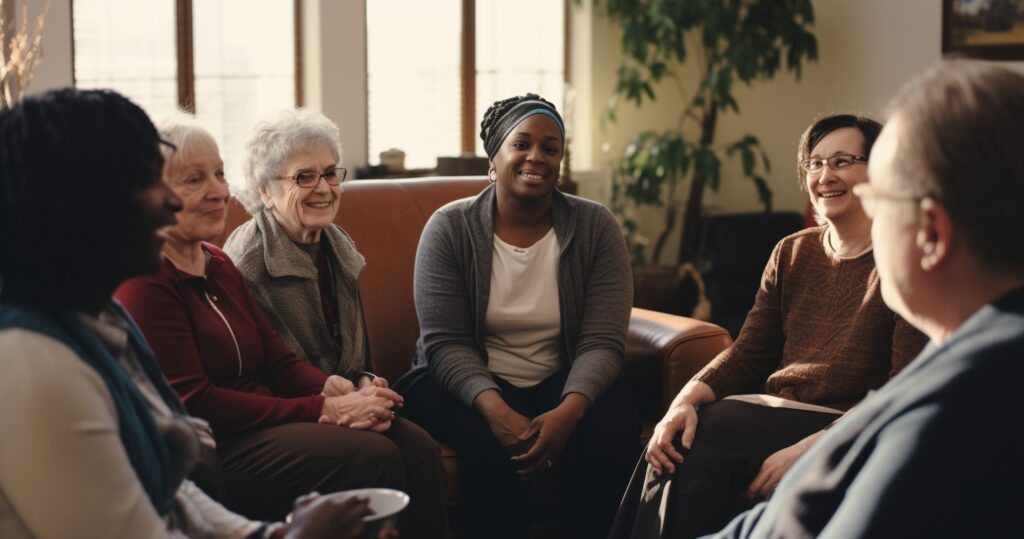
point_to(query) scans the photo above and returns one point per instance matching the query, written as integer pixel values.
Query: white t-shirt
(523, 322)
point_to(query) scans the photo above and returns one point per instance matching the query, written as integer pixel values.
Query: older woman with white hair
(303, 271)
(281, 426)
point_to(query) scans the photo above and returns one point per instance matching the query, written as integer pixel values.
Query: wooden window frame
(185, 55)
(467, 75)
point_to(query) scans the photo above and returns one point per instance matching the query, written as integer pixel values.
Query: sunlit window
(129, 46)
(244, 68)
(519, 49)
(413, 66)
(412, 51)
(243, 61)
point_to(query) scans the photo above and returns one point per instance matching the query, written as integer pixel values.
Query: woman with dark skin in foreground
(95, 442)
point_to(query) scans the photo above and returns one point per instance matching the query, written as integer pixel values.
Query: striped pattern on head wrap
(503, 116)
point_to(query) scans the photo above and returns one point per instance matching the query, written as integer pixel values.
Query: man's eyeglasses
(839, 161)
(869, 196)
(309, 179)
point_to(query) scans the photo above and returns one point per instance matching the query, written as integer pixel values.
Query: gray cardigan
(285, 283)
(452, 287)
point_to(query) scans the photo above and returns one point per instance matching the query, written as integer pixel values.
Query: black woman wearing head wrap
(523, 295)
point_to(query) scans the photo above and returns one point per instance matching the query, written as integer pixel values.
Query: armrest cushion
(663, 351)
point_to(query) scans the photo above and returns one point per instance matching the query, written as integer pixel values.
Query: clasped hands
(536, 444)
(370, 406)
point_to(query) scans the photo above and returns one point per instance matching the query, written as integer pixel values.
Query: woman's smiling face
(831, 191)
(529, 161)
(303, 212)
(196, 174)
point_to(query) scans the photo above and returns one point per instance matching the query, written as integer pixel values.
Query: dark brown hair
(827, 124)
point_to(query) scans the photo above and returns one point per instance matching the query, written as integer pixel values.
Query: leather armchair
(386, 217)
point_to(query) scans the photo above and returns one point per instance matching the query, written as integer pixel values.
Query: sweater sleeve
(907, 343)
(746, 365)
(63, 466)
(445, 310)
(161, 311)
(608, 298)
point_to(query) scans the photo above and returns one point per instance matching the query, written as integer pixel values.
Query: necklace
(196, 266)
(835, 252)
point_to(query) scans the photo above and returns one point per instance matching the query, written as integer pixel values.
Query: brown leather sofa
(386, 217)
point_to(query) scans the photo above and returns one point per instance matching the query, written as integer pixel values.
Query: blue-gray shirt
(933, 453)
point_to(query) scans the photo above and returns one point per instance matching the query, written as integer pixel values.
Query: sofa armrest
(663, 351)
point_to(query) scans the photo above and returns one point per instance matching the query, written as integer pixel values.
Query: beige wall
(866, 51)
(56, 71)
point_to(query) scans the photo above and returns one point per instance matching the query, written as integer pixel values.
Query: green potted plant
(725, 41)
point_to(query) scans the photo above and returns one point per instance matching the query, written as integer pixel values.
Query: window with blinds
(414, 69)
(242, 57)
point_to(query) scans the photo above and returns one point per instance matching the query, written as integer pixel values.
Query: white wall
(866, 51)
(334, 64)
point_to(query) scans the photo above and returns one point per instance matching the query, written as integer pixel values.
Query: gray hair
(271, 143)
(960, 143)
(185, 133)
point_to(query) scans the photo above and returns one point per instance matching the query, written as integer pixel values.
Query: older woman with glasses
(282, 426)
(303, 271)
(818, 338)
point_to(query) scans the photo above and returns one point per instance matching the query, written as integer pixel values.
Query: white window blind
(519, 49)
(243, 60)
(412, 50)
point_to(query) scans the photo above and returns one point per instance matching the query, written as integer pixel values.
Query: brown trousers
(266, 470)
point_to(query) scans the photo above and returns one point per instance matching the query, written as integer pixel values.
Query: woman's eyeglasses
(839, 161)
(309, 180)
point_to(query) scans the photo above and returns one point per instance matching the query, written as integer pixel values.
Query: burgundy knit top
(217, 349)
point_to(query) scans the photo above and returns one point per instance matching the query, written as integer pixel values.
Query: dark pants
(707, 490)
(267, 469)
(588, 478)
(207, 473)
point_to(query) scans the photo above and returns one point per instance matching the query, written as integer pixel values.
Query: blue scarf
(142, 440)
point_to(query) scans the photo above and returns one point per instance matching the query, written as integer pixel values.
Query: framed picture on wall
(992, 29)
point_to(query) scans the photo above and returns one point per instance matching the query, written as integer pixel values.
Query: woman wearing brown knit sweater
(817, 340)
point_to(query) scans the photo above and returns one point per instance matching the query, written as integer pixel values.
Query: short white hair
(186, 134)
(273, 140)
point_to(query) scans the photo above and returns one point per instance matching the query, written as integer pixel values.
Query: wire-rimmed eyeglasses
(310, 179)
(839, 161)
(869, 196)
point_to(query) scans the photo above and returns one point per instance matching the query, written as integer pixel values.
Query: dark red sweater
(258, 384)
